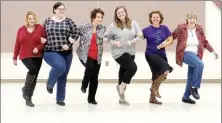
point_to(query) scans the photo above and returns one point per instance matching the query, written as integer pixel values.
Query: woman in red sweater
(29, 46)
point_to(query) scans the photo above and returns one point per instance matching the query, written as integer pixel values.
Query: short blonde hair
(27, 16)
(190, 15)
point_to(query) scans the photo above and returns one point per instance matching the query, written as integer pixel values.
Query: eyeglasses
(61, 9)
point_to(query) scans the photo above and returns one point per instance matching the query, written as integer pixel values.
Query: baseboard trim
(114, 80)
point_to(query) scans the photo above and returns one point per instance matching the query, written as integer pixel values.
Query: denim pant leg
(62, 80)
(57, 62)
(190, 81)
(193, 61)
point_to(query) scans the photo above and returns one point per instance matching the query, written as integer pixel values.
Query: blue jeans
(60, 64)
(195, 71)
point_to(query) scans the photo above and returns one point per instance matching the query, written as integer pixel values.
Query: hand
(160, 46)
(105, 39)
(35, 50)
(95, 24)
(65, 47)
(43, 40)
(71, 40)
(215, 55)
(140, 35)
(15, 62)
(129, 43)
(118, 44)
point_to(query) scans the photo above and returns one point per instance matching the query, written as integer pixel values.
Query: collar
(98, 26)
(185, 26)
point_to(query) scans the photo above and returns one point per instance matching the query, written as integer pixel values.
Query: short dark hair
(156, 12)
(94, 13)
(56, 5)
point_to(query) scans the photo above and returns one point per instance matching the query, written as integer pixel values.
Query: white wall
(212, 68)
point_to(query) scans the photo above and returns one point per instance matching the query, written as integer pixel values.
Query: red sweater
(26, 42)
(93, 50)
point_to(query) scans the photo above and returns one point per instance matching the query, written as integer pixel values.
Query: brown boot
(153, 98)
(156, 84)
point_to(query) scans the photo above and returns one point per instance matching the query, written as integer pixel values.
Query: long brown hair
(118, 22)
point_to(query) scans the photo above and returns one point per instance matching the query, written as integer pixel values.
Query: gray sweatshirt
(114, 34)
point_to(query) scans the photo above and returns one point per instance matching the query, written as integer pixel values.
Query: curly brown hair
(94, 13)
(156, 12)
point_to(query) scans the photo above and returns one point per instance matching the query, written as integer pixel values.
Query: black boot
(27, 88)
(32, 88)
(29, 102)
(30, 93)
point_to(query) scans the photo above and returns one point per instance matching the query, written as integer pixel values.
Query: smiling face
(121, 18)
(99, 18)
(192, 21)
(121, 14)
(191, 18)
(60, 11)
(155, 19)
(31, 20)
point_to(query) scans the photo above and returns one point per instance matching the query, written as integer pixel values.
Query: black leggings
(158, 65)
(91, 74)
(122, 71)
(33, 65)
(128, 68)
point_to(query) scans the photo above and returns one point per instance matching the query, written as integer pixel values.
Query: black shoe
(188, 101)
(195, 93)
(50, 90)
(83, 89)
(29, 102)
(92, 102)
(61, 103)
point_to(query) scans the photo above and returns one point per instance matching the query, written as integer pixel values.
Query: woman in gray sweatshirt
(123, 34)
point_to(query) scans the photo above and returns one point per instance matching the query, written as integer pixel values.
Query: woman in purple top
(157, 37)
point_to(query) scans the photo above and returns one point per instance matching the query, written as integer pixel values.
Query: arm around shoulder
(139, 33)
